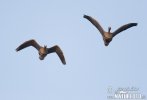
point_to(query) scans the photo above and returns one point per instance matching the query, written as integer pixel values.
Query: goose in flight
(108, 36)
(43, 51)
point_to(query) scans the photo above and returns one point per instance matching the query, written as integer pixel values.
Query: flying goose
(43, 51)
(108, 36)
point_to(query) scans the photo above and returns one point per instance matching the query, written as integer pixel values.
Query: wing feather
(124, 27)
(58, 52)
(95, 23)
(27, 44)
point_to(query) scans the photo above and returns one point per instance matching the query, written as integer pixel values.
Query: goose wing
(27, 44)
(95, 23)
(124, 27)
(58, 52)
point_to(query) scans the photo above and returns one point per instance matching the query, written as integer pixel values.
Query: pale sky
(91, 67)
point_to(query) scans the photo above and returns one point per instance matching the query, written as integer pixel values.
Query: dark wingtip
(64, 62)
(134, 24)
(16, 49)
(85, 16)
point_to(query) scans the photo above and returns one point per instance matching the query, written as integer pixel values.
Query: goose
(43, 51)
(108, 36)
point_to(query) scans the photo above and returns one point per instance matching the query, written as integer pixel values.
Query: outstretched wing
(124, 27)
(95, 23)
(58, 51)
(27, 44)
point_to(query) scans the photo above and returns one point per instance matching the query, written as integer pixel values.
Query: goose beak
(106, 44)
(41, 58)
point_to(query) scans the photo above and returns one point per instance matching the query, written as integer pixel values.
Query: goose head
(42, 52)
(107, 41)
(108, 37)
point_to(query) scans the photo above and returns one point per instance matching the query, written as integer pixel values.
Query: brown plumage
(108, 36)
(43, 51)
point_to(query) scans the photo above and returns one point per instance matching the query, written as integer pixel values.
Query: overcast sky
(91, 67)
